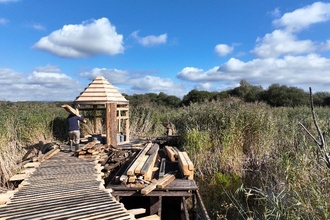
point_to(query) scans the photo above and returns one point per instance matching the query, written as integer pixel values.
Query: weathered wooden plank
(18, 177)
(49, 154)
(162, 168)
(138, 159)
(31, 165)
(171, 153)
(148, 167)
(136, 211)
(150, 217)
(186, 165)
(139, 167)
(154, 185)
(164, 183)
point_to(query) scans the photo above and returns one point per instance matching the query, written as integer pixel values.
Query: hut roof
(100, 91)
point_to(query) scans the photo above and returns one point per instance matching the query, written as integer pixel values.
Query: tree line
(275, 95)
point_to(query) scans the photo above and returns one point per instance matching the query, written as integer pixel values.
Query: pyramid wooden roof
(100, 91)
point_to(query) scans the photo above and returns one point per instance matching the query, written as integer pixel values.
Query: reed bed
(252, 161)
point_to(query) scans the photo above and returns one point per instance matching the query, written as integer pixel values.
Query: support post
(111, 118)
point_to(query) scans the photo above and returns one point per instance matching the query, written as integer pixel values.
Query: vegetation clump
(252, 157)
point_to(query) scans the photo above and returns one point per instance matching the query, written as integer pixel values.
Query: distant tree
(277, 96)
(321, 99)
(196, 96)
(153, 98)
(247, 92)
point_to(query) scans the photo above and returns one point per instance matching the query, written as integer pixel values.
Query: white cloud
(114, 75)
(150, 40)
(280, 43)
(223, 49)
(83, 40)
(44, 84)
(3, 21)
(303, 17)
(303, 71)
(38, 27)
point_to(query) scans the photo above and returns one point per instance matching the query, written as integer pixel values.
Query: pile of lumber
(186, 166)
(141, 172)
(93, 149)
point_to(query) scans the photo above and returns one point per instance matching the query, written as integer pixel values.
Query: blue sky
(51, 50)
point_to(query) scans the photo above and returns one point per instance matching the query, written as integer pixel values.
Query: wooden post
(111, 117)
(127, 124)
(94, 114)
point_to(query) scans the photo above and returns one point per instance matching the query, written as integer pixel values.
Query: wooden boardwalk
(64, 187)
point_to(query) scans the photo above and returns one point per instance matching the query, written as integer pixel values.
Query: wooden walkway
(64, 187)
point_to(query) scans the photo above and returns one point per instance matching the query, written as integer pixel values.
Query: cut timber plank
(161, 182)
(148, 167)
(165, 182)
(71, 110)
(136, 211)
(31, 165)
(139, 167)
(18, 177)
(162, 168)
(171, 153)
(139, 158)
(186, 165)
(150, 217)
(49, 154)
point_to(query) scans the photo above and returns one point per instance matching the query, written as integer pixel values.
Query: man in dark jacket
(73, 129)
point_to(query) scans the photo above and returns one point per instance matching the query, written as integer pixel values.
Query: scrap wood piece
(138, 160)
(148, 167)
(153, 149)
(162, 168)
(137, 211)
(171, 153)
(18, 177)
(49, 154)
(143, 161)
(150, 217)
(166, 181)
(161, 183)
(31, 165)
(186, 165)
(89, 145)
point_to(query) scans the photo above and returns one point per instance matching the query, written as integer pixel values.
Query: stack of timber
(93, 149)
(148, 170)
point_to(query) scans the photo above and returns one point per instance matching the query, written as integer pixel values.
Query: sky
(51, 50)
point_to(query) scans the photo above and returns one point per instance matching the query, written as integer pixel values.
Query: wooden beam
(150, 217)
(148, 167)
(186, 165)
(138, 211)
(161, 182)
(171, 153)
(138, 160)
(139, 167)
(111, 124)
(162, 168)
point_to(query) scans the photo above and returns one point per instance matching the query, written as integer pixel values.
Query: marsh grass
(252, 161)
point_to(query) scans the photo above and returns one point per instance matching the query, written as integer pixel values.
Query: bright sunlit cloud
(150, 40)
(87, 39)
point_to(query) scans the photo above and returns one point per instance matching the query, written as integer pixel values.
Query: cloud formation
(87, 39)
(46, 83)
(150, 40)
(281, 57)
(223, 49)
